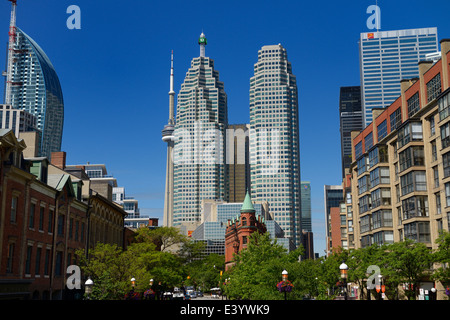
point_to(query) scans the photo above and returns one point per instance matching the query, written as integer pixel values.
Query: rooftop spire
(202, 42)
(247, 206)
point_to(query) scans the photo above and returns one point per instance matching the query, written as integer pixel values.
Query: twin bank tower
(207, 157)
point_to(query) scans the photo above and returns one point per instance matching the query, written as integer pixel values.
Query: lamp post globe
(284, 275)
(344, 268)
(88, 286)
(379, 287)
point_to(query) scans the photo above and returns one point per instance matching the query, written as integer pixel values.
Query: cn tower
(167, 136)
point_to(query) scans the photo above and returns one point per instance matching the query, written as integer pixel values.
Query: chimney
(59, 159)
(405, 84)
(424, 66)
(445, 48)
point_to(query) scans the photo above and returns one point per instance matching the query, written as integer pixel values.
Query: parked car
(215, 292)
(167, 295)
(178, 294)
(199, 294)
(191, 292)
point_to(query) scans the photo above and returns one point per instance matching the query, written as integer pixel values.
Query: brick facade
(238, 231)
(44, 221)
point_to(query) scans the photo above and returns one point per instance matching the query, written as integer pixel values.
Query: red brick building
(42, 224)
(336, 238)
(45, 217)
(239, 230)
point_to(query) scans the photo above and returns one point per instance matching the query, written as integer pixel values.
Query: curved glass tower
(35, 88)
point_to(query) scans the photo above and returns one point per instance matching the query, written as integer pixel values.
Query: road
(208, 297)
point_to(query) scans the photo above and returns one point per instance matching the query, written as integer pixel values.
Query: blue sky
(114, 73)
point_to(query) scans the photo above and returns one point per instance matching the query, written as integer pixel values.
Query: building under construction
(33, 85)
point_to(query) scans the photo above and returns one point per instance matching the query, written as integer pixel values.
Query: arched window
(244, 221)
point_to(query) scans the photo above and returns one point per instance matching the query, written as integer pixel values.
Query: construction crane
(11, 54)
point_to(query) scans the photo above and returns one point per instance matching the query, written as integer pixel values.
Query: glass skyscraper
(386, 57)
(274, 139)
(333, 196)
(35, 88)
(306, 206)
(199, 149)
(351, 119)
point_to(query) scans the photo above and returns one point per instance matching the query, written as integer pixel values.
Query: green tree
(161, 266)
(111, 269)
(330, 273)
(205, 273)
(163, 255)
(442, 257)
(410, 261)
(152, 255)
(359, 262)
(190, 250)
(258, 269)
(164, 238)
(306, 277)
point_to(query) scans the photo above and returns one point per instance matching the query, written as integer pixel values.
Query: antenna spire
(171, 93)
(171, 74)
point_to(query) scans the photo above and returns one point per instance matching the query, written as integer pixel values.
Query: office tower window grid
(274, 138)
(386, 57)
(201, 122)
(306, 206)
(350, 120)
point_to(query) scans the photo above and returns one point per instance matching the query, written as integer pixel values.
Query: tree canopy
(174, 260)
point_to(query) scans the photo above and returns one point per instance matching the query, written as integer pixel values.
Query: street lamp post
(132, 295)
(344, 269)
(433, 294)
(284, 277)
(316, 293)
(380, 287)
(284, 285)
(88, 287)
(149, 293)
